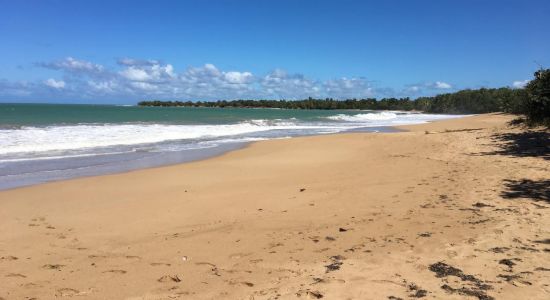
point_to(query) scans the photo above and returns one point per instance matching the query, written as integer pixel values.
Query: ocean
(48, 142)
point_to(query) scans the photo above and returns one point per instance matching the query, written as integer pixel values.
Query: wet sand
(455, 209)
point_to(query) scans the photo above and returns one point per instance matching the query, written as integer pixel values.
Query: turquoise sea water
(44, 142)
(59, 114)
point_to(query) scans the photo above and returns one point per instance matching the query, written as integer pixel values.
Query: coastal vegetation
(466, 101)
(533, 101)
(536, 106)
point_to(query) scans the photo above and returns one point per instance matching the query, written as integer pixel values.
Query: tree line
(531, 101)
(466, 101)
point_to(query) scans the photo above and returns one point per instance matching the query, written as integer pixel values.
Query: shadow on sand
(530, 143)
(522, 144)
(537, 190)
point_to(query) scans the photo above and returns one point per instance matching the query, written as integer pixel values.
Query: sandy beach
(453, 209)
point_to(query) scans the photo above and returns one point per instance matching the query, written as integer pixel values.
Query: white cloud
(18, 88)
(56, 84)
(206, 72)
(423, 89)
(520, 83)
(238, 77)
(136, 62)
(349, 88)
(280, 84)
(154, 79)
(148, 72)
(70, 64)
(104, 87)
(143, 86)
(442, 85)
(132, 73)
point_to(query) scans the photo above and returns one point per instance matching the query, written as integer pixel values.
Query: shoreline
(433, 211)
(153, 160)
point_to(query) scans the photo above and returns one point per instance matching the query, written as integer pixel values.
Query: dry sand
(434, 212)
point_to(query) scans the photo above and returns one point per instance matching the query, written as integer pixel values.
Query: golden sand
(344, 216)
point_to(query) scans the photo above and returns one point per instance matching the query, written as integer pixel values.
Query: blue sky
(125, 51)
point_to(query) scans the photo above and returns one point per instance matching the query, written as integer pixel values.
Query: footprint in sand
(169, 278)
(9, 258)
(310, 294)
(213, 268)
(53, 266)
(246, 283)
(327, 280)
(315, 239)
(116, 271)
(16, 275)
(156, 264)
(239, 255)
(68, 292)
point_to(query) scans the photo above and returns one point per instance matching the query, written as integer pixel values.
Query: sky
(122, 52)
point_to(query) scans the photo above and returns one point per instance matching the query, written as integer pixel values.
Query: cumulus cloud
(520, 84)
(126, 61)
(16, 89)
(103, 87)
(280, 84)
(442, 85)
(133, 79)
(238, 77)
(148, 73)
(73, 65)
(56, 84)
(413, 89)
(424, 88)
(349, 88)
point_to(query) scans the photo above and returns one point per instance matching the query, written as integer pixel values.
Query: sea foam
(33, 141)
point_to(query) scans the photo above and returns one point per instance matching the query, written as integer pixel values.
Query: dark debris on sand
(169, 278)
(53, 266)
(515, 277)
(9, 257)
(442, 269)
(315, 294)
(309, 294)
(499, 249)
(481, 205)
(477, 289)
(507, 262)
(509, 277)
(336, 263)
(333, 266)
(481, 295)
(417, 292)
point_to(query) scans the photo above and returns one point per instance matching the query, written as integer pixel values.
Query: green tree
(537, 105)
